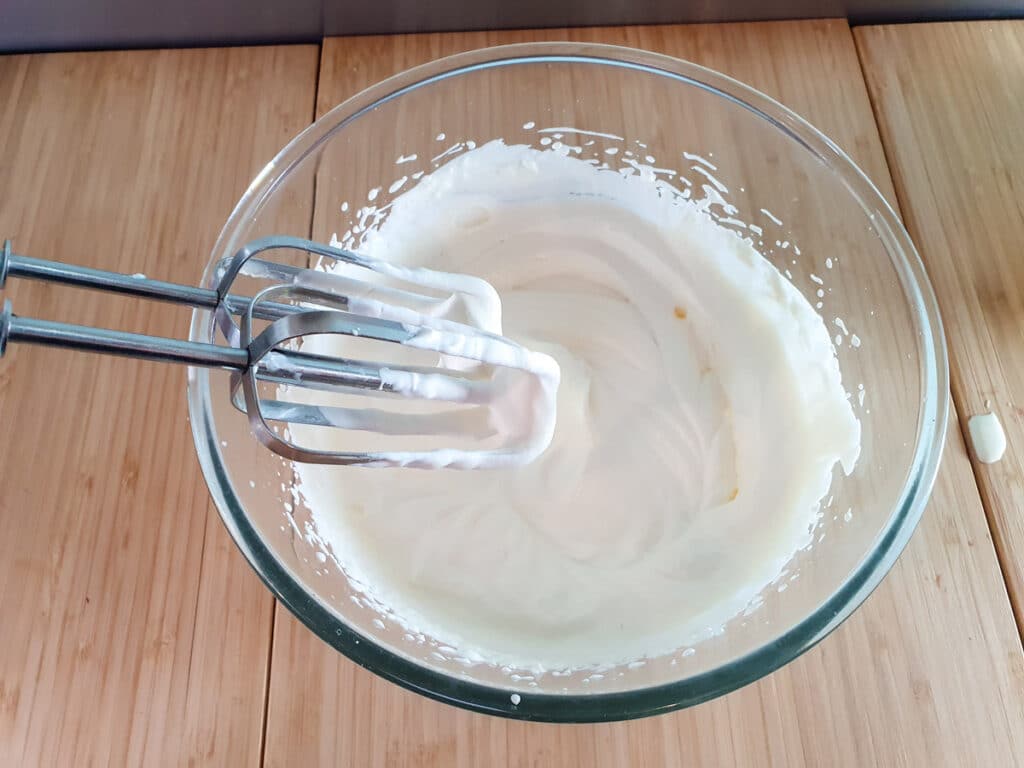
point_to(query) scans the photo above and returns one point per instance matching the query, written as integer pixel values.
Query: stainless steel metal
(26, 267)
(67, 336)
(5, 326)
(315, 304)
(30, 25)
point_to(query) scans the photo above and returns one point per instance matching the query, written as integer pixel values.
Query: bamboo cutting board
(950, 104)
(892, 686)
(135, 634)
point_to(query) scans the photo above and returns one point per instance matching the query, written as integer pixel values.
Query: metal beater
(301, 303)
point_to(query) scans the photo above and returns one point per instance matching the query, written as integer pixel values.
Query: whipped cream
(700, 416)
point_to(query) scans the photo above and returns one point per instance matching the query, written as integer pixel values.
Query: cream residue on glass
(700, 416)
(513, 399)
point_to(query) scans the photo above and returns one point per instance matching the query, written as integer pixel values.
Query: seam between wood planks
(277, 605)
(266, 682)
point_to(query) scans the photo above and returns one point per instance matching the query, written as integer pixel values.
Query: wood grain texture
(133, 632)
(929, 672)
(950, 105)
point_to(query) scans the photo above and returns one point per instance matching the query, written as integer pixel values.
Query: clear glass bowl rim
(646, 701)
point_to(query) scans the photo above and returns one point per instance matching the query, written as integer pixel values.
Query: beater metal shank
(298, 304)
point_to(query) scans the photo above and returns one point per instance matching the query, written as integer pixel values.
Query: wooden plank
(133, 632)
(950, 105)
(928, 672)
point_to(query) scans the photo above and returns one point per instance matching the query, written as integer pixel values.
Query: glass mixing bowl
(765, 172)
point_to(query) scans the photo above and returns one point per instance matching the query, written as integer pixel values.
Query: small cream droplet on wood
(987, 437)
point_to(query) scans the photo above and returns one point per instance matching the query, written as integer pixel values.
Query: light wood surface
(929, 672)
(950, 105)
(133, 633)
